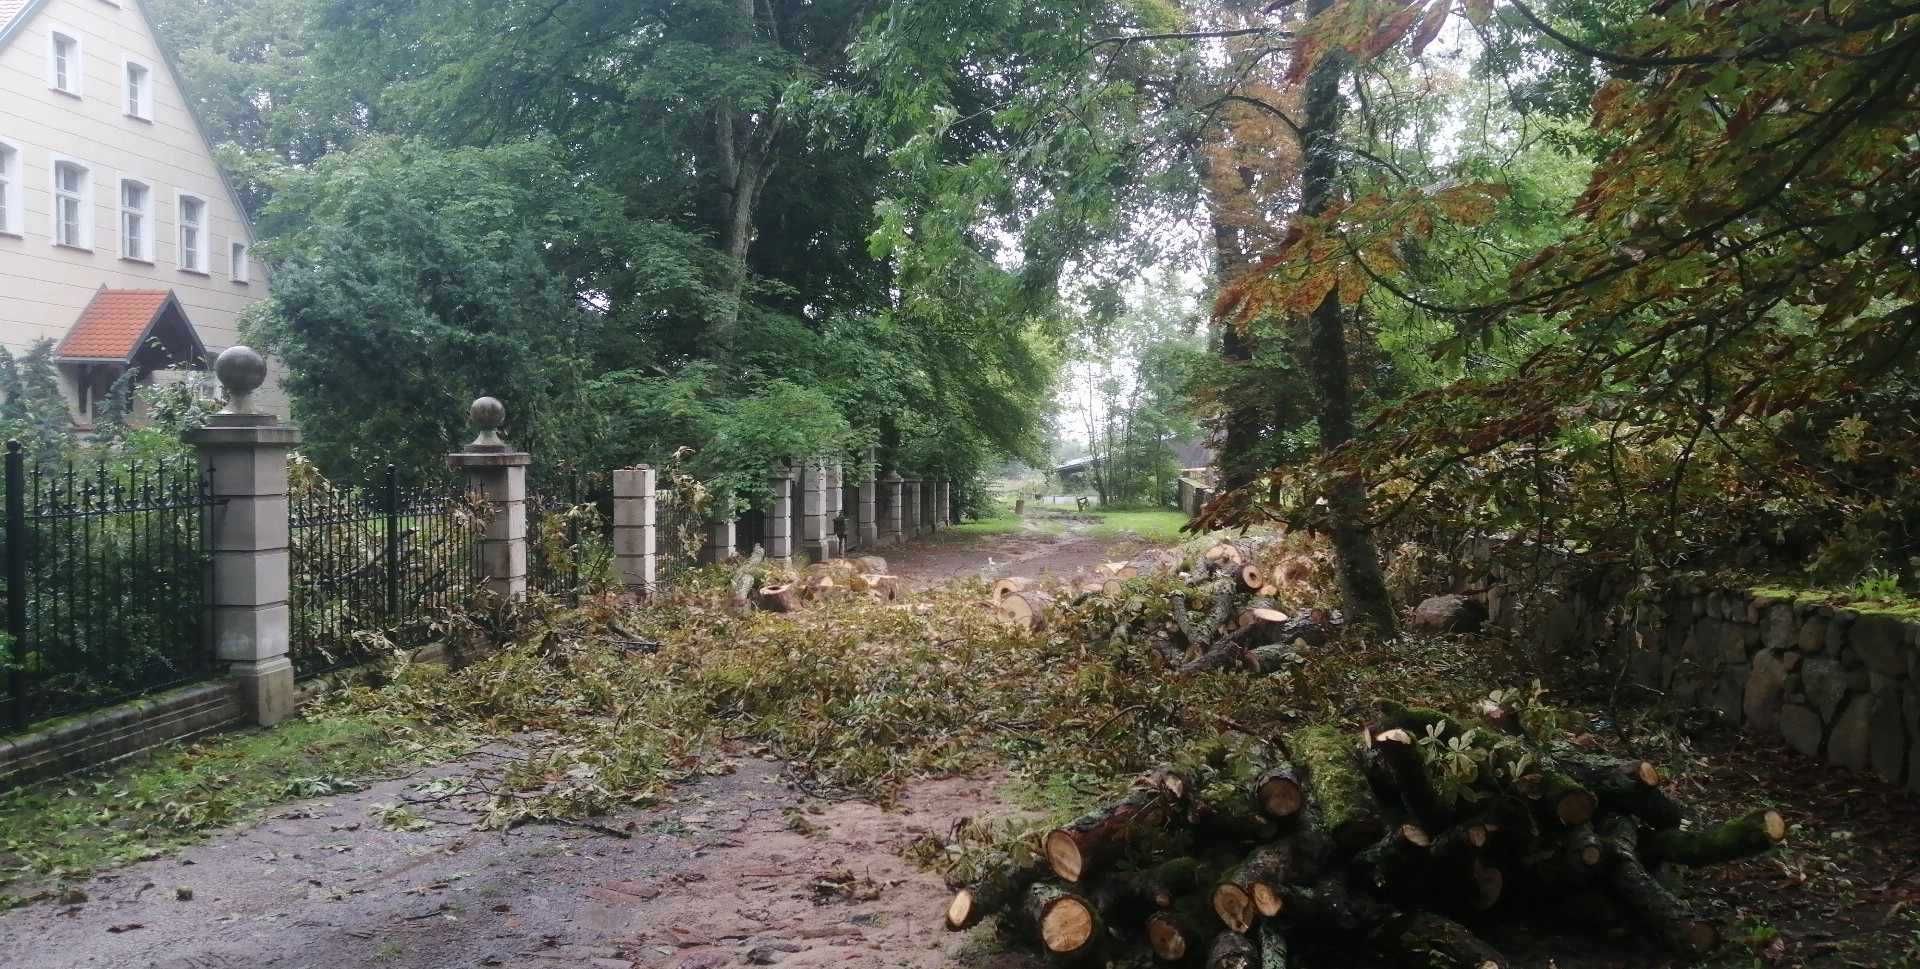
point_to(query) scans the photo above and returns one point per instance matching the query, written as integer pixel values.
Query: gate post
(499, 474)
(890, 528)
(635, 529)
(910, 522)
(245, 455)
(869, 495)
(816, 540)
(721, 538)
(779, 530)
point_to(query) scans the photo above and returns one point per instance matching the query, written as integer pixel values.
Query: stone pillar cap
(487, 414)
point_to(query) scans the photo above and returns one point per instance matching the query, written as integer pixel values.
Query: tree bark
(1361, 583)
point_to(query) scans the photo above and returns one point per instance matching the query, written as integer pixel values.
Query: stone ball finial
(487, 414)
(241, 370)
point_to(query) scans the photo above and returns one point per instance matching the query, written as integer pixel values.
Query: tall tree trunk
(1361, 583)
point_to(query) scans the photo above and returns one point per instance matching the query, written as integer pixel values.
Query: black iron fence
(679, 530)
(107, 576)
(373, 567)
(570, 532)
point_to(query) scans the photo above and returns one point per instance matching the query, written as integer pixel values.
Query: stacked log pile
(1218, 607)
(777, 590)
(1388, 845)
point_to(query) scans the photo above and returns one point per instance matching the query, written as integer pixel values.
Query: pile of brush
(1392, 843)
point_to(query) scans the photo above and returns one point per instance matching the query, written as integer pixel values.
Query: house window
(10, 215)
(72, 194)
(139, 91)
(136, 220)
(63, 62)
(193, 234)
(242, 263)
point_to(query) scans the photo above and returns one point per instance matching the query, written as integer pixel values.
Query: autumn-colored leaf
(1390, 32)
(1469, 204)
(1303, 60)
(1303, 298)
(1436, 18)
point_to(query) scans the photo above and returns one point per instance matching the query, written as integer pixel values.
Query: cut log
(820, 586)
(880, 586)
(1077, 849)
(1182, 931)
(745, 576)
(1222, 554)
(1431, 803)
(1727, 841)
(1670, 919)
(778, 598)
(1260, 626)
(1231, 950)
(1250, 577)
(1064, 923)
(870, 564)
(1279, 792)
(1394, 862)
(1343, 800)
(1275, 952)
(1252, 889)
(990, 895)
(1010, 585)
(1626, 785)
(1027, 610)
(1423, 940)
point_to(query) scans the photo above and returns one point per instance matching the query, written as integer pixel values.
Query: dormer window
(136, 220)
(193, 234)
(139, 91)
(64, 68)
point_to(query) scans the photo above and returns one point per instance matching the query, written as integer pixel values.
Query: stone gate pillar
(891, 526)
(779, 529)
(245, 454)
(499, 475)
(869, 497)
(635, 535)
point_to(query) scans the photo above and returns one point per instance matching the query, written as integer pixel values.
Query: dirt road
(738, 869)
(722, 876)
(1034, 552)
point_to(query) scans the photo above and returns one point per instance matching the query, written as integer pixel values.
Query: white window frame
(142, 106)
(144, 251)
(13, 207)
(200, 266)
(85, 197)
(240, 261)
(77, 65)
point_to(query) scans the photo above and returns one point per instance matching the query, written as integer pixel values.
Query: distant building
(120, 238)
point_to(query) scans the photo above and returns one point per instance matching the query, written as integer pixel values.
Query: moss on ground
(156, 803)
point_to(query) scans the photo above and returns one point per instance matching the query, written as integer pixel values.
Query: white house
(120, 238)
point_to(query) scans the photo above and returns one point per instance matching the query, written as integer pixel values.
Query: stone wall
(1840, 684)
(1836, 683)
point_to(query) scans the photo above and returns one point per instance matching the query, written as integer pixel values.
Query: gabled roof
(14, 15)
(117, 323)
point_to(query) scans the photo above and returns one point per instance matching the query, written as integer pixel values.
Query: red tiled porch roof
(115, 324)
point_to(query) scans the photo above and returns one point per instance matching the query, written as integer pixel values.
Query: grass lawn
(1153, 524)
(68, 828)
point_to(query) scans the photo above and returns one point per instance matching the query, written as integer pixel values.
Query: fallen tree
(1392, 839)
